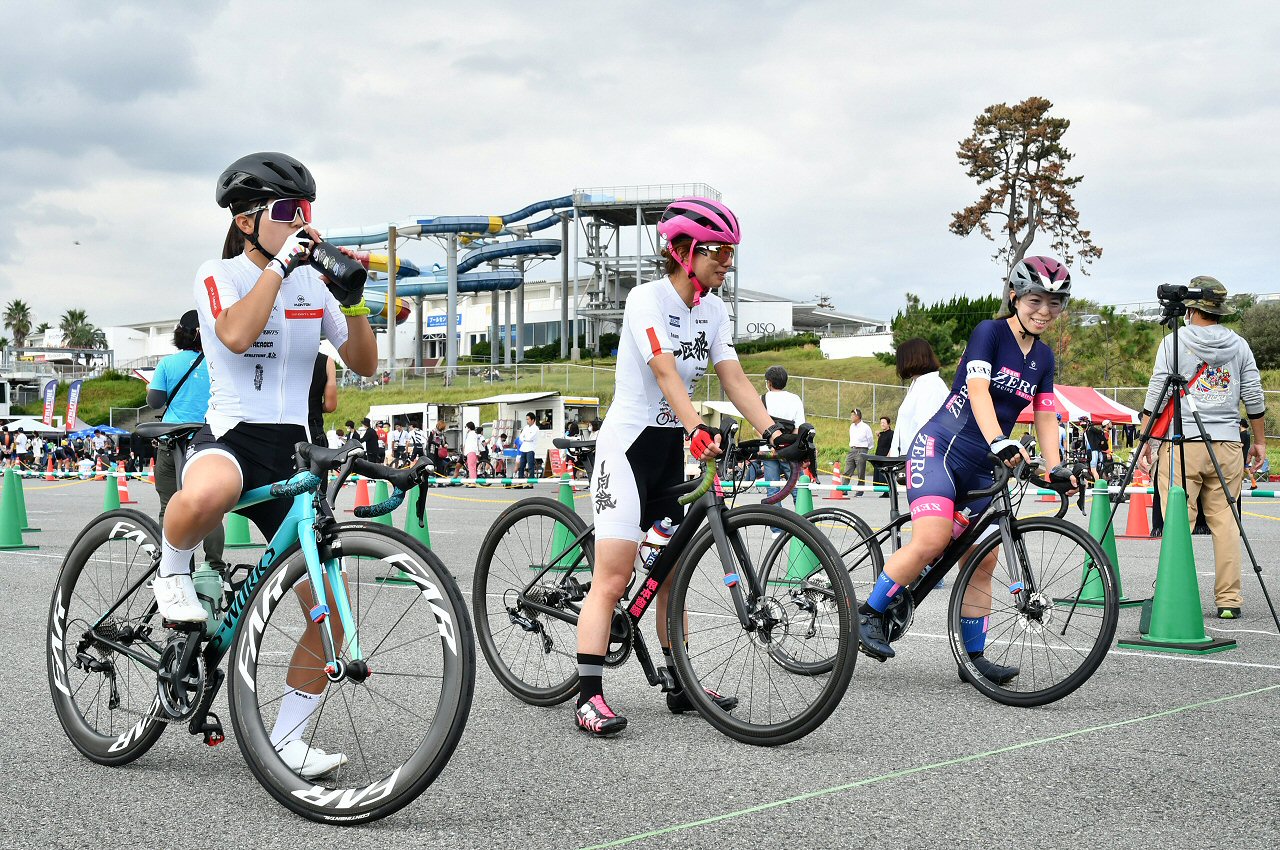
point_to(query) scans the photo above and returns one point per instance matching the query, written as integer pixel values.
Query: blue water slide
(434, 283)
(441, 225)
(498, 250)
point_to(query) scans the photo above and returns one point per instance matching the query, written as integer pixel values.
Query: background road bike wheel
(533, 654)
(105, 700)
(805, 615)
(398, 725)
(1056, 644)
(851, 537)
(484, 469)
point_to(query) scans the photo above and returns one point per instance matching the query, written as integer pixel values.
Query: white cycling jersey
(270, 382)
(656, 320)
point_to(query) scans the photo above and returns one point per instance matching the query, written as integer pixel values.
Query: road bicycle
(726, 622)
(1051, 603)
(396, 671)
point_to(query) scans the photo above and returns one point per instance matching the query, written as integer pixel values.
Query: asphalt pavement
(1156, 750)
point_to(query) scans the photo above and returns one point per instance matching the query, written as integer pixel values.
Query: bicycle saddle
(570, 443)
(886, 461)
(157, 430)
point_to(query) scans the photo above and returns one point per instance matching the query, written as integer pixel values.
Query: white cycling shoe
(176, 598)
(309, 762)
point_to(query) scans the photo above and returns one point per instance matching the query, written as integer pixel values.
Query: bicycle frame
(709, 506)
(298, 526)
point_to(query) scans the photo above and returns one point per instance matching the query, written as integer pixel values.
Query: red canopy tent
(1074, 402)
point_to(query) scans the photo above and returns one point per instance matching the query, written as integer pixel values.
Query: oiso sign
(764, 318)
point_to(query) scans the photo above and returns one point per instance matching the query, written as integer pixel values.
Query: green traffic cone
(561, 537)
(381, 493)
(111, 499)
(237, 535)
(421, 534)
(10, 521)
(801, 561)
(1101, 529)
(1177, 623)
(22, 500)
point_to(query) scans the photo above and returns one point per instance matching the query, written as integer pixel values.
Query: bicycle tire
(1069, 570)
(127, 544)
(509, 643)
(754, 720)
(384, 565)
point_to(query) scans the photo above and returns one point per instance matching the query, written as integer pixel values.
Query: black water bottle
(345, 274)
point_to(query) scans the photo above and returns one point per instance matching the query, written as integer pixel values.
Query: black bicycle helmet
(264, 174)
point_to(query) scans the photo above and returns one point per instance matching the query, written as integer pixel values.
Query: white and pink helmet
(702, 220)
(1043, 275)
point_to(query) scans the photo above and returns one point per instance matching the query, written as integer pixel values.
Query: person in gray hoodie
(1221, 374)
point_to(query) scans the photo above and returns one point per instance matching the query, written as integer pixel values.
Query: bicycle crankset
(898, 616)
(180, 683)
(620, 639)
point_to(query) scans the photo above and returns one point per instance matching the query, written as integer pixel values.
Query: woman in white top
(917, 362)
(471, 449)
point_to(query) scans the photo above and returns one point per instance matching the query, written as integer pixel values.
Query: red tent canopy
(1074, 402)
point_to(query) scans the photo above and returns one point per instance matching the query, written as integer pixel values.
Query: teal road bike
(393, 660)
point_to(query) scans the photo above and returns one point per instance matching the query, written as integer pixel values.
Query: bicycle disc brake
(180, 691)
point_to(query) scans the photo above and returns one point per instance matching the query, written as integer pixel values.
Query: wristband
(278, 267)
(360, 309)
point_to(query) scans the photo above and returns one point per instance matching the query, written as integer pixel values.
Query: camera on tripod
(1176, 293)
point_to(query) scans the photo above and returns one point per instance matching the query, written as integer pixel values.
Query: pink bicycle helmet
(701, 219)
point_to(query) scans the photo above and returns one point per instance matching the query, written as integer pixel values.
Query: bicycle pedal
(182, 626)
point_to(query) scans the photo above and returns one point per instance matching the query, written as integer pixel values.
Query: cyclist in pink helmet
(673, 329)
(704, 222)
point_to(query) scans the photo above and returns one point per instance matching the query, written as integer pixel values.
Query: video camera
(1176, 293)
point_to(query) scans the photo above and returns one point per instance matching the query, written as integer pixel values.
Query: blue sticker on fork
(731, 580)
(1016, 587)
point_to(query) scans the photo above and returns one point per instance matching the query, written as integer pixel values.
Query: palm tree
(79, 332)
(42, 327)
(17, 318)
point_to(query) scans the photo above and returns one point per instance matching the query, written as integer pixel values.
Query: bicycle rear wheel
(804, 615)
(397, 718)
(532, 653)
(855, 543)
(106, 699)
(1057, 633)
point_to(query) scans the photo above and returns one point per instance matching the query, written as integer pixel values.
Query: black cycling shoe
(991, 671)
(871, 637)
(678, 702)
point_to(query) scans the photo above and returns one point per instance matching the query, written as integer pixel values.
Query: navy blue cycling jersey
(1017, 380)
(948, 457)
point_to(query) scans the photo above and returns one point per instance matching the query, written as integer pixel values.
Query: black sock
(590, 677)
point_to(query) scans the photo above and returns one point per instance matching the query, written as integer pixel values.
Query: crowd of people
(81, 454)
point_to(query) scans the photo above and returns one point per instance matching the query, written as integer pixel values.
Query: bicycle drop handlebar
(757, 450)
(314, 463)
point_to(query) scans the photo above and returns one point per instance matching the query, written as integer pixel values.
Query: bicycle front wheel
(801, 621)
(395, 714)
(533, 653)
(105, 698)
(1051, 615)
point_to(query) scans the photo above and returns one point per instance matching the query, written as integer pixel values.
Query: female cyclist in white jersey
(671, 328)
(262, 310)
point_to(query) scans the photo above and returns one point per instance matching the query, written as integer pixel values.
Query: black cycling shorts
(264, 454)
(628, 482)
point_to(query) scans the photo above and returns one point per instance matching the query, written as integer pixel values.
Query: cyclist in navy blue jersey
(1005, 368)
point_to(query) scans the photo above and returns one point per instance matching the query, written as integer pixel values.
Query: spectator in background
(860, 442)
(884, 439)
(369, 436)
(471, 449)
(1228, 377)
(338, 438)
(785, 407)
(322, 398)
(528, 448)
(180, 387)
(917, 363)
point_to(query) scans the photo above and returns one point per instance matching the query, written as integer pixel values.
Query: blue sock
(974, 632)
(882, 594)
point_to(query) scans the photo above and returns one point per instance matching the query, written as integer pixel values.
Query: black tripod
(1175, 389)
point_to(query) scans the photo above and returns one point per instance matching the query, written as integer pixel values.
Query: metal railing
(609, 195)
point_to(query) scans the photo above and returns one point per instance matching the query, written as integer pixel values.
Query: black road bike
(1051, 601)
(732, 629)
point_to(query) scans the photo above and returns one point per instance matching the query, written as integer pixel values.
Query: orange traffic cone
(151, 473)
(101, 471)
(362, 495)
(1138, 526)
(48, 472)
(837, 494)
(122, 482)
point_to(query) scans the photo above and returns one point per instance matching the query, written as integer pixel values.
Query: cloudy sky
(830, 128)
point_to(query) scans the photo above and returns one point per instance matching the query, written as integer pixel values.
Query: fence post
(839, 406)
